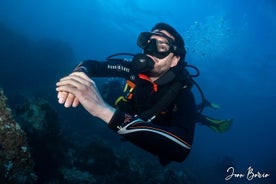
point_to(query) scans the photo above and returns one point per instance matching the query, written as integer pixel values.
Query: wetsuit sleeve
(113, 68)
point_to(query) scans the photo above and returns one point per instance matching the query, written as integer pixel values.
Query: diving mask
(159, 48)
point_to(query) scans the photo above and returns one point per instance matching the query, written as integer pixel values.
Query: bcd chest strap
(130, 86)
(177, 83)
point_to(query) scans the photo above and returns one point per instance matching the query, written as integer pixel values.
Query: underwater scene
(231, 42)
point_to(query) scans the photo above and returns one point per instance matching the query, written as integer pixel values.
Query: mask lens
(159, 48)
(162, 46)
(143, 39)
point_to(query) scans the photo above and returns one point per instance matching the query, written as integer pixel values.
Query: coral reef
(36, 116)
(16, 164)
(97, 161)
(77, 176)
(41, 124)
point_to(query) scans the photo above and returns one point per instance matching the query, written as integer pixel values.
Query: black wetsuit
(168, 133)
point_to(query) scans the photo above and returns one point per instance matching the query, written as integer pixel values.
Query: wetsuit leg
(167, 142)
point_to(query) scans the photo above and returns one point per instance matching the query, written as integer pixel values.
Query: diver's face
(163, 65)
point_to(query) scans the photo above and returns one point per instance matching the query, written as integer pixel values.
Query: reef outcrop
(16, 164)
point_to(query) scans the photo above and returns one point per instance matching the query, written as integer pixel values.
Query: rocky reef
(41, 125)
(16, 164)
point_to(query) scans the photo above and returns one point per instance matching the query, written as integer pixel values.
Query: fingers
(76, 102)
(69, 100)
(75, 79)
(78, 77)
(62, 97)
(68, 87)
(81, 74)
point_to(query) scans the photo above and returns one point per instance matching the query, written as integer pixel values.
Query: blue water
(232, 42)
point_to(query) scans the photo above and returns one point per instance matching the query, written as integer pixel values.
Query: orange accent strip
(131, 84)
(145, 77)
(181, 140)
(130, 96)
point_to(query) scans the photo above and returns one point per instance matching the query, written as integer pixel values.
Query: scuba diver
(157, 111)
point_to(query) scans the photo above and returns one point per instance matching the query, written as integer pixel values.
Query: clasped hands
(77, 88)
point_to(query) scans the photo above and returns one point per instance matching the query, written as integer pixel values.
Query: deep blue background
(232, 42)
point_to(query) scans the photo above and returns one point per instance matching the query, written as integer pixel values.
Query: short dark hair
(179, 42)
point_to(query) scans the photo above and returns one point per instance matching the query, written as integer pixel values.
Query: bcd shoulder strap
(178, 83)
